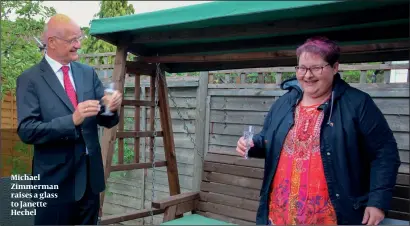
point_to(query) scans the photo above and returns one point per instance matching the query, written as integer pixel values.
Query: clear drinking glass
(108, 91)
(248, 135)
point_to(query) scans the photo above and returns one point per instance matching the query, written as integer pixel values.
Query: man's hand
(372, 216)
(241, 146)
(86, 109)
(114, 101)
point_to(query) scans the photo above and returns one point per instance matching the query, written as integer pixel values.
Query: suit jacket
(44, 114)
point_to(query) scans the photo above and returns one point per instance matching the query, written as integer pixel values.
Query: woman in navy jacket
(330, 156)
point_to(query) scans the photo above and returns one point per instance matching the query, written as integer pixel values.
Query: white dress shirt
(56, 66)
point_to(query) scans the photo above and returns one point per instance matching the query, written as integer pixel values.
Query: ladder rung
(133, 166)
(137, 103)
(133, 134)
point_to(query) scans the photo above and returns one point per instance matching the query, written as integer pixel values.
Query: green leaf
(19, 50)
(90, 44)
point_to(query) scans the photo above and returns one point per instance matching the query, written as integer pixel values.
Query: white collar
(56, 66)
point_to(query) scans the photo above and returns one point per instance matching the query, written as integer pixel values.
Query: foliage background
(107, 9)
(19, 50)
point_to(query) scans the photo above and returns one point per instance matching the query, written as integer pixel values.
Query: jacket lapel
(52, 81)
(78, 80)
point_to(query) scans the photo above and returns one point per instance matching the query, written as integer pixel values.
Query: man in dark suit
(58, 106)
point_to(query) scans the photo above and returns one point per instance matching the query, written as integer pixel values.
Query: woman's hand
(241, 146)
(372, 216)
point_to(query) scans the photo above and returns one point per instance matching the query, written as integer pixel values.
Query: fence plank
(231, 140)
(200, 130)
(242, 103)
(342, 67)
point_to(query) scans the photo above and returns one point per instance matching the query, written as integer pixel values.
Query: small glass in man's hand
(247, 136)
(108, 91)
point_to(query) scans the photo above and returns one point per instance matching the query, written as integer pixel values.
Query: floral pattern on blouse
(299, 190)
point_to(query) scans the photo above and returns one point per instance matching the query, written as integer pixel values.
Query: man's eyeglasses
(316, 70)
(71, 41)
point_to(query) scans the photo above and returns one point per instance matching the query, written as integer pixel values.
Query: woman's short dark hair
(322, 46)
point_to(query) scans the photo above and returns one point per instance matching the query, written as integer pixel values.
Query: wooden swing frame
(389, 45)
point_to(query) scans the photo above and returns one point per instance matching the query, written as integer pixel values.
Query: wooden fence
(209, 113)
(14, 155)
(215, 115)
(367, 73)
(231, 108)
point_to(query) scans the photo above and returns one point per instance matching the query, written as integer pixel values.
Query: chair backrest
(230, 188)
(400, 205)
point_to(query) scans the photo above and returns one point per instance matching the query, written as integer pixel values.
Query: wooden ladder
(121, 67)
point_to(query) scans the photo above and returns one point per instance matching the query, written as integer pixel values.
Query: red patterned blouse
(299, 190)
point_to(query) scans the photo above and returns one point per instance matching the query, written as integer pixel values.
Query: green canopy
(213, 14)
(223, 27)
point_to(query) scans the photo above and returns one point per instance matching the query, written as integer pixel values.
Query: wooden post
(227, 78)
(363, 76)
(207, 125)
(152, 116)
(387, 76)
(211, 78)
(278, 78)
(243, 78)
(168, 138)
(237, 79)
(137, 117)
(202, 93)
(144, 145)
(109, 135)
(261, 78)
(120, 139)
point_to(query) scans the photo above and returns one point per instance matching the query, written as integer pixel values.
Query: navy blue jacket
(359, 152)
(45, 120)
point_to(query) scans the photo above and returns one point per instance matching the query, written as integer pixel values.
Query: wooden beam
(287, 61)
(342, 67)
(275, 27)
(134, 166)
(168, 138)
(270, 55)
(109, 135)
(169, 213)
(175, 200)
(141, 68)
(133, 134)
(341, 35)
